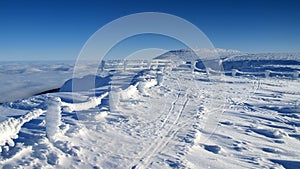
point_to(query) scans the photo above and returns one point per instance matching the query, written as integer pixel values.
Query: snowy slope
(166, 117)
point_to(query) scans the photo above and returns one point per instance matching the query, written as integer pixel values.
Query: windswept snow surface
(158, 118)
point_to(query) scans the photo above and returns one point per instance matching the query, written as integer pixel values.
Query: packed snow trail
(167, 129)
(162, 140)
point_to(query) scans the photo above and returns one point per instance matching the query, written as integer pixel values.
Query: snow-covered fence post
(102, 65)
(125, 64)
(295, 74)
(160, 78)
(53, 117)
(149, 64)
(207, 70)
(267, 73)
(114, 98)
(193, 65)
(233, 72)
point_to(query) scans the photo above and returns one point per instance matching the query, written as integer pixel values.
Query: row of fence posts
(234, 72)
(125, 64)
(267, 73)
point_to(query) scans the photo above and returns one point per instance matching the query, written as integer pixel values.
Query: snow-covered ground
(163, 117)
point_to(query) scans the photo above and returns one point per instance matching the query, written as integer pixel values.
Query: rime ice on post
(160, 78)
(53, 117)
(295, 74)
(267, 73)
(125, 64)
(149, 64)
(233, 72)
(193, 65)
(114, 99)
(102, 65)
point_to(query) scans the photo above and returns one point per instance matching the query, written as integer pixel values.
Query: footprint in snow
(213, 148)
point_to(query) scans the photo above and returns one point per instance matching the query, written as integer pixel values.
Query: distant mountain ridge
(196, 54)
(224, 55)
(265, 56)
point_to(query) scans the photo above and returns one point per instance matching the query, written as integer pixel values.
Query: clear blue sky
(55, 30)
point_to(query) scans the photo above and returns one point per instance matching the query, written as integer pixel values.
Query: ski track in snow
(161, 143)
(164, 135)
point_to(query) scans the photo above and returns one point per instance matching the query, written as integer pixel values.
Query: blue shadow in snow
(287, 164)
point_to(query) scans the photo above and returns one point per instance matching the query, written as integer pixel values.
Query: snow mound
(141, 87)
(92, 102)
(130, 93)
(144, 85)
(269, 133)
(85, 83)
